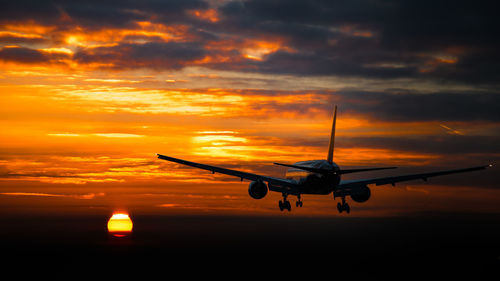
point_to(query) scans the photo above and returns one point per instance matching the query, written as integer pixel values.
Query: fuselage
(315, 183)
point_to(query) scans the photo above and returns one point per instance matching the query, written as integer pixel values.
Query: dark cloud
(437, 106)
(22, 55)
(158, 55)
(118, 13)
(95, 13)
(29, 56)
(439, 40)
(392, 105)
(346, 37)
(317, 12)
(24, 10)
(439, 145)
(402, 25)
(321, 64)
(16, 39)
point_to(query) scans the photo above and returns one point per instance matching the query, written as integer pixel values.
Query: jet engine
(361, 194)
(257, 189)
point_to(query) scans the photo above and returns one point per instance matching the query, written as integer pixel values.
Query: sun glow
(120, 225)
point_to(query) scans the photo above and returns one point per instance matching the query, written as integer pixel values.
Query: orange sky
(83, 116)
(96, 145)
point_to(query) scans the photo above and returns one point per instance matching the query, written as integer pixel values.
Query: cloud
(118, 135)
(414, 106)
(362, 39)
(437, 144)
(392, 105)
(155, 55)
(75, 169)
(352, 38)
(96, 14)
(30, 56)
(18, 38)
(37, 194)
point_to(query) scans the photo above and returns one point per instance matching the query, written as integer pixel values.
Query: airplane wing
(395, 179)
(275, 184)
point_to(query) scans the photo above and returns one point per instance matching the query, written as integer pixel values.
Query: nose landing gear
(299, 202)
(343, 207)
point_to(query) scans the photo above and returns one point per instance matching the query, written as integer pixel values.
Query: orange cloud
(77, 196)
(354, 31)
(438, 60)
(62, 46)
(210, 15)
(145, 31)
(137, 45)
(14, 34)
(257, 50)
(29, 28)
(249, 48)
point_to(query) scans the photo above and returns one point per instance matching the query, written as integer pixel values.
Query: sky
(92, 90)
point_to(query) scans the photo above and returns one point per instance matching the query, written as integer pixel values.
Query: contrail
(451, 131)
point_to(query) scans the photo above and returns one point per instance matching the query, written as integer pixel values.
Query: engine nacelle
(257, 189)
(361, 194)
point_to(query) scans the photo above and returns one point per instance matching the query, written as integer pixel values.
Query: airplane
(320, 177)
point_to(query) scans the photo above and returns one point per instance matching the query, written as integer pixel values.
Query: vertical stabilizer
(332, 137)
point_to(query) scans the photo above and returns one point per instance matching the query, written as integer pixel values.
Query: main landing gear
(344, 206)
(285, 204)
(299, 202)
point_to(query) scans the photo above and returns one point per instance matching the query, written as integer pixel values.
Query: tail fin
(332, 138)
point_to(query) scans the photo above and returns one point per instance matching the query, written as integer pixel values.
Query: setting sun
(120, 225)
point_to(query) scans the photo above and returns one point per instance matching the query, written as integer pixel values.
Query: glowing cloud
(210, 15)
(118, 135)
(36, 194)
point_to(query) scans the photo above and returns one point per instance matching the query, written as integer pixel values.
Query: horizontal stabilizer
(329, 171)
(309, 169)
(348, 171)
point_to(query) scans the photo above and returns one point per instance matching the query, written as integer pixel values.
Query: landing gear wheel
(343, 207)
(299, 201)
(287, 205)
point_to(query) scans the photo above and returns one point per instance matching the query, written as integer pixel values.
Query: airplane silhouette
(320, 177)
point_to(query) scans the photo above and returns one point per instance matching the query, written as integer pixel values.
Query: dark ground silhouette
(461, 245)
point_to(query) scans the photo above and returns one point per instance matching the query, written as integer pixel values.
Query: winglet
(332, 137)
